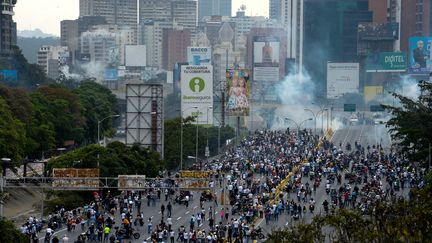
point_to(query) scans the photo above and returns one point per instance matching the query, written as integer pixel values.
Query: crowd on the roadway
(248, 175)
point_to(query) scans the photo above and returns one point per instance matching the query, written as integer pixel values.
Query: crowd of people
(245, 179)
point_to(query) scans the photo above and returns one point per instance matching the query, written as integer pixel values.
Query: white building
(105, 44)
(118, 12)
(51, 58)
(150, 34)
(292, 19)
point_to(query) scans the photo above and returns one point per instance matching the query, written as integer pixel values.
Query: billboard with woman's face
(238, 89)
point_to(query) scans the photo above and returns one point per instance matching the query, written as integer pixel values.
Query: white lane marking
(160, 212)
(195, 207)
(286, 224)
(151, 217)
(200, 225)
(187, 212)
(178, 218)
(148, 238)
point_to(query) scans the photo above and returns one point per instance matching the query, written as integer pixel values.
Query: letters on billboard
(238, 90)
(420, 57)
(75, 179)
(197, 93)
(342, 78)
(199, 55)
(386, 62)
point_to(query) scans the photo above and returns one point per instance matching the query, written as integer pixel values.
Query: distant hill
(33, 33)
(31, 45)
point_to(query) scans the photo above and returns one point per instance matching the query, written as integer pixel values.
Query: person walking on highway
(169, 208)
(107, 231)
(162, 209)
(149, 226)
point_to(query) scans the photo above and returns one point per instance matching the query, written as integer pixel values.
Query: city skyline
(49, 20)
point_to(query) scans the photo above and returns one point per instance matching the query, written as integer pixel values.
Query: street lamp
(207, 147)
(98, 134)
(298, 125)
(181, 135)
(315, 116)
(3, 161)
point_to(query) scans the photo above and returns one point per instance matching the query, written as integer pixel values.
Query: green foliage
(98, 102)
(173, 140)
(10, 234)
(116, 159)
(411, 125)
(401, 221)
(12, 134)
(69, 199)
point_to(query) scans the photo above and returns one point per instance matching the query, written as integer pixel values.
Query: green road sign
(376, 108)
(350, 107)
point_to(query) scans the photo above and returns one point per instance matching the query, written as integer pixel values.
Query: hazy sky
(47, 14)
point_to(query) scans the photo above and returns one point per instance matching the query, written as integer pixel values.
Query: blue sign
(111, 74)
(420, 56)
(8, 75)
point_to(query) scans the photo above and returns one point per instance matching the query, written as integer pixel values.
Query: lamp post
(181, 135)
(3, 161)
(98, 133)
(298, 125)
(314, 115)
(207, 146)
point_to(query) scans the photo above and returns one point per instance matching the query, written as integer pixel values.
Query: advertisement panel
(135, 55)
(266, 58)
(8, 75)
(111, 74)
(75, 179)
(238, 90)
(131, 182)
(372, 92)
(386, 62)
(420, 57)
(199, 55)
(378, 31)
(197, 93)
(342, 78)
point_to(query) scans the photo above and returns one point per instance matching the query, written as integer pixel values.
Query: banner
(197, 93)
(238, 90)
(266, 58)
(199, 55)
(420, 57)
(75, 179)
(386, 62)
(342, 78)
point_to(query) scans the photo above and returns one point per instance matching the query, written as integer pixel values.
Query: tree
(411, 124)
(98, 102)
(12, 134)
(10, 234)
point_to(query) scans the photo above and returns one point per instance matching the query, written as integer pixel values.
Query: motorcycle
(128, 234)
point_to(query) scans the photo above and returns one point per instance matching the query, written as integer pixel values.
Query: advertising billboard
(75, 179)
(378, 31)
(8, 75)
(266, 58)
(238, 90)
(372, 92)
(420, 56)
(131, 182)
(135, 55)
(342, 78)
(197, 93)
(110, 74)
(386, 62)
(199, 55)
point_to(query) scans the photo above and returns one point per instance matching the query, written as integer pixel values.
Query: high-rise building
(291, 16)
(118, 12)
(330, 35)
(7, 26)
(275, 9)
(214, 7)
(183, 13)
(51, 58)
(150, 35)
(175, 43)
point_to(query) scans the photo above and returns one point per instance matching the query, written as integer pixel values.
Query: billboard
(238, 90)
(266, 58)
(197, 91)
(199, 55)
(110, 74)
(131, 182)
(372, 92)
(135, 55)
(386, 62)
(75, 179)
(8, 75)
(420, 56)
(342, 78)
